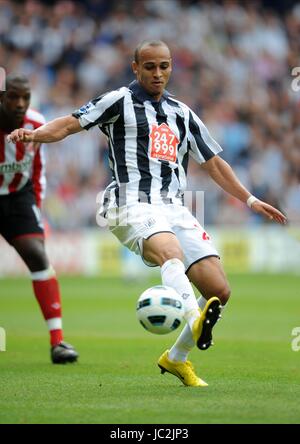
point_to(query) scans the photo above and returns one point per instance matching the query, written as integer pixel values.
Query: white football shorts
(131, 225)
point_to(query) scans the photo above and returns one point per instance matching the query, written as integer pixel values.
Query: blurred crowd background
(233, 63)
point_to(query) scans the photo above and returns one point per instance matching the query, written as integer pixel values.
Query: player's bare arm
(224, 176)
(53, 131)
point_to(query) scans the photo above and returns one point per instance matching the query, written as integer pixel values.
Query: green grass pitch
(252, 372)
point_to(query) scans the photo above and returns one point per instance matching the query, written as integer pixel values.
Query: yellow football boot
(202, 327)
(183, 370)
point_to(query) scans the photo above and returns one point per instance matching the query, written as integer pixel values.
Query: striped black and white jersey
(149, 144)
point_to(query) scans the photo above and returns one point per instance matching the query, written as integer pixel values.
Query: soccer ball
(160, 309)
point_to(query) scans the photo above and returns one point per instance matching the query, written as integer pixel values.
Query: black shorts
(19, 214)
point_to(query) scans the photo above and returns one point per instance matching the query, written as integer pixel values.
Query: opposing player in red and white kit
(22, 187)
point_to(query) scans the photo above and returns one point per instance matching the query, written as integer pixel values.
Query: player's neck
(157, 98)
(7, 124)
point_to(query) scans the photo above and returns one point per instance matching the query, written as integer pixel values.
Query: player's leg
(24, 231)
(163, 249)
(196, 246)
(47, 292)
(45, 285)
(145, 230)
(31, 248)
(209, 278)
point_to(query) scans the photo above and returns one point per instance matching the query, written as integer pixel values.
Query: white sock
(185, 342)
(173, 275)
(201, 302)
(182, 346)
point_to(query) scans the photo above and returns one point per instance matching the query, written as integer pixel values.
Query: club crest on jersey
(85, 109)
(164, 143)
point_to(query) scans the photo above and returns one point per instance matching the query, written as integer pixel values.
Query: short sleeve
(101, 110)
(203, 146)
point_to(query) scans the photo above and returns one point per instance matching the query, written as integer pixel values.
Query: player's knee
(37, 261)
(35, 257)
(223, 293)
(170, 252)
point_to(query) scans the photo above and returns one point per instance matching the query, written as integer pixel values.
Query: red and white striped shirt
(20, 162)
